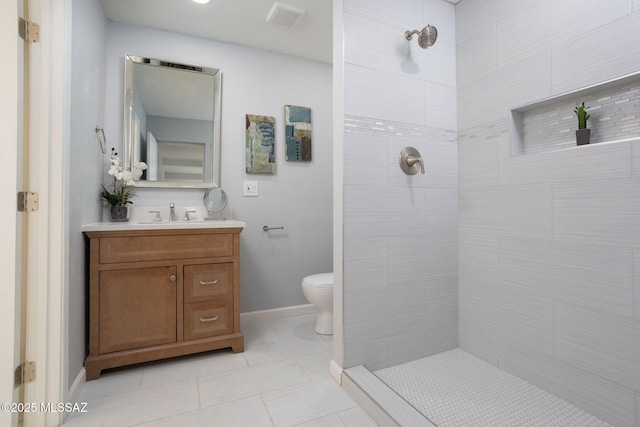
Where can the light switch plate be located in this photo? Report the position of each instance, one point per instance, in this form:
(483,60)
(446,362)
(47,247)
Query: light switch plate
(251,188)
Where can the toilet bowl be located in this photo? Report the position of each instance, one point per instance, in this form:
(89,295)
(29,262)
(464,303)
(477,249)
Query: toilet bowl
(318,289)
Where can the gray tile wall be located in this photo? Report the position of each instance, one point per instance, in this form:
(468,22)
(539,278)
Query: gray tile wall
(549,242)
(400,297)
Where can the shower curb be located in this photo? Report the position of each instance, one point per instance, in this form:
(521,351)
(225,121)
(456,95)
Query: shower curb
(379,401)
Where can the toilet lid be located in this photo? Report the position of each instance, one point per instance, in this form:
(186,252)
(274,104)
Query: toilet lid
(323,280)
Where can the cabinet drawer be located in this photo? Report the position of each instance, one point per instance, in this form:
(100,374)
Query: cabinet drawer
(206,319)
(165,247)
(205,281)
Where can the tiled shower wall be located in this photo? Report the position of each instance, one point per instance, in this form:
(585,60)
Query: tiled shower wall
(549,257)
(400,232)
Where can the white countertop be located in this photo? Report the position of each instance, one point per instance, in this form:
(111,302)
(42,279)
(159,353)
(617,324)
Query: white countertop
(150,225)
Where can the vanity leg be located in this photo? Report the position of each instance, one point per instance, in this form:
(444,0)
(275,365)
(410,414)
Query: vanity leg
(91,373)
(238,346)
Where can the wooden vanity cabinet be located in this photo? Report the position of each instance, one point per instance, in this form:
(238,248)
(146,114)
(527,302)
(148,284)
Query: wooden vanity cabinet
(155,294)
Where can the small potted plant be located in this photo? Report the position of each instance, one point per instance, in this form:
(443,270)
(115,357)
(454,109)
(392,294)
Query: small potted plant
(583,135)
(117,195)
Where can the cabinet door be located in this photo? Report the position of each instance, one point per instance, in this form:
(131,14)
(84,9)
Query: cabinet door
(137,308)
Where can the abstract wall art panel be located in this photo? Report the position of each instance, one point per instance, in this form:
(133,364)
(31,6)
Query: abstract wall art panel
(260,144)
(298,133)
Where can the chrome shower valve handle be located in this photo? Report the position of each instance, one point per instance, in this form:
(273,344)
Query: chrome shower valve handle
(409,159)
(412,160)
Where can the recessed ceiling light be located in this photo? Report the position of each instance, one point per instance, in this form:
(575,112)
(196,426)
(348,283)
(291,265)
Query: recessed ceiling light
(201,1)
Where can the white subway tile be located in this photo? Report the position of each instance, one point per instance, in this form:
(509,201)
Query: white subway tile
(603,211)
(525,211)
(478,263)
(371,93)
(477,20)
(610,51)
(598,396)
(362,320)
(635,158)
(476,57)
(515,211)
(595,276)
(597,161)
(491,97)
(442,210)
(601,343)
(477,162)
(636,283)
(367,157)
(441,106)
(533,28)
(476,332)
(388,11)
(385,211)
(366,262)
(365,42)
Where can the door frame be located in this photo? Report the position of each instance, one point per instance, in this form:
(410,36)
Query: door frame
(48,241)
(9,354)
(50,133)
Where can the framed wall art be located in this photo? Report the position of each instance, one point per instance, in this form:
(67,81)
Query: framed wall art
(260,144)
(297,133)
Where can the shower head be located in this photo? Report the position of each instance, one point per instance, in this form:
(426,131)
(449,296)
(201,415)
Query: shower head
(426,38)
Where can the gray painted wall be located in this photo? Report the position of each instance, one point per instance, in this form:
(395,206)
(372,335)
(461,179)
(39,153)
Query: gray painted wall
(549,242)
(85,160)
(298,196)
(400,231)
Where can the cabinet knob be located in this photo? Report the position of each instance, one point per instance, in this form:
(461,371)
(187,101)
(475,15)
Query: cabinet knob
(172,277)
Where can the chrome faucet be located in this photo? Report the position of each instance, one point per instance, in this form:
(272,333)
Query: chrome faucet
(172,211)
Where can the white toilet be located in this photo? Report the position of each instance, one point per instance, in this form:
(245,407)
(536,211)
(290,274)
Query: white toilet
(318,289)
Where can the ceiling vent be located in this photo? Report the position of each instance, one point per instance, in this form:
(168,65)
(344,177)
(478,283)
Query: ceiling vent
(285,15)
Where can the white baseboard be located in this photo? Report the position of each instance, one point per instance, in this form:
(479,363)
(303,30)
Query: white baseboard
(276,313)
(336,371)
(74,391)
(77,386)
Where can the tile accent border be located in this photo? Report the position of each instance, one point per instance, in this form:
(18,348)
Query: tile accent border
(381,127)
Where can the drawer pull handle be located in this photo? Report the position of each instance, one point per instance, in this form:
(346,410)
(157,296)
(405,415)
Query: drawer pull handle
(212,282)
(172,277)
(208,319)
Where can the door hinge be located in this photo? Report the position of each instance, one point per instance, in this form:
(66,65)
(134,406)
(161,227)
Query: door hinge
(25,373)
(29,31)
(27,201)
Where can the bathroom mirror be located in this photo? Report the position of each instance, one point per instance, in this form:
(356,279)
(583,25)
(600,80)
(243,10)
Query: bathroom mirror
(172,122)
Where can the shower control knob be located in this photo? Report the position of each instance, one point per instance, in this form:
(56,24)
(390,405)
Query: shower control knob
(409,160)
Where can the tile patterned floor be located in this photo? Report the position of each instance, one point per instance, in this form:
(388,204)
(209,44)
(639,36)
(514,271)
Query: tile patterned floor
(282,379)
(457,389)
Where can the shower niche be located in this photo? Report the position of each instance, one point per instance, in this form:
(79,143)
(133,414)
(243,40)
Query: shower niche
(549,125)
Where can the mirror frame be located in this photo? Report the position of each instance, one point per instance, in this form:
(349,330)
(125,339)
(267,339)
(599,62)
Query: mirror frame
(128,121)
